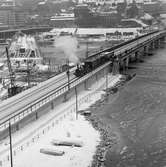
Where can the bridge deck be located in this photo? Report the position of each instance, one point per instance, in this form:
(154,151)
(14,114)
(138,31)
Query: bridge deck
(31,100)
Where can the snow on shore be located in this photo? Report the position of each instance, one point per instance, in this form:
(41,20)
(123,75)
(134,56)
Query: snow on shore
(74,156)
(69,128)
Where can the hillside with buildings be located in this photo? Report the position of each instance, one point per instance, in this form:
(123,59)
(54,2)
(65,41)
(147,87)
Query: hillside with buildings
(80,13)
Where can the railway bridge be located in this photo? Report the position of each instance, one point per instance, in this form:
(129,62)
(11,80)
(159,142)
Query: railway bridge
(33,103)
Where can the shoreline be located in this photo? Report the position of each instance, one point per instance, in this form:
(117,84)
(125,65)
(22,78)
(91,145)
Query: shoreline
(108,136)
(134,121)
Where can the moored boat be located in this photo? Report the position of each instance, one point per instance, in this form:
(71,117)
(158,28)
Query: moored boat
(54,152)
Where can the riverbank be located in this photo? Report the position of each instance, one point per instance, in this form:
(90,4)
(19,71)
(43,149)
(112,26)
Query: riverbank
(108,137)
(132,121)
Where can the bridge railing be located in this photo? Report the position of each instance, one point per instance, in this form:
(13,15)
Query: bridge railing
(124,43)
(29,109)
(33,107)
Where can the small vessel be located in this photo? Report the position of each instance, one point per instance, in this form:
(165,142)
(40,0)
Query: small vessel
(54,152)
(67,142)
(46,38)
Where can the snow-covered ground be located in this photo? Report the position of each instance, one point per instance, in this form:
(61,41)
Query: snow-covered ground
(70,128)
(61,123)
(92,31)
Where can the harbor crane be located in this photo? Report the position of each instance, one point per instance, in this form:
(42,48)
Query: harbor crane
(13,89)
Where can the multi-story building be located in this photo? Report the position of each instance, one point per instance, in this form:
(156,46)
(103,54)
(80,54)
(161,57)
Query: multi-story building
(7,16)
(101,2)
(12,16)
(84,17)
(152,8)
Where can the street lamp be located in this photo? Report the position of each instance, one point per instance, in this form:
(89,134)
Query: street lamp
(10,138)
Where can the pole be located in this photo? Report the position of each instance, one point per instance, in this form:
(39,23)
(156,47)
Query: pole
(11,152)
(87,48)
(76,102)
(106,80)
(68,74)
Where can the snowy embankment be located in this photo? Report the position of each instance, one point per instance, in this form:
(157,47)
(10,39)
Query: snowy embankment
(59,125)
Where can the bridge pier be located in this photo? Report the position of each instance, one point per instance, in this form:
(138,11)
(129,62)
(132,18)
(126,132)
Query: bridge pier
(127,62)
(132,58)
(159,43)
(115,67)
(156,44)
(123,65)
(150,49)
(152,45)
(137,56)
(145,51)
(162,42)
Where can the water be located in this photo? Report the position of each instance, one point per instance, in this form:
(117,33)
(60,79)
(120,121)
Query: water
(85,48)
(138,117)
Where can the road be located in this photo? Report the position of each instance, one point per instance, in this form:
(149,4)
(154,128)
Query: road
(137,117)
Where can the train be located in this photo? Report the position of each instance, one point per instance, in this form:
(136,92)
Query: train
(94,61)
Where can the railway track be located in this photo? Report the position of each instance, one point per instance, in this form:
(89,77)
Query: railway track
(14,105)
(29,96)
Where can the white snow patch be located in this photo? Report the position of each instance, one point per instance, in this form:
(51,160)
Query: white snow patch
(73,157)
(68,128)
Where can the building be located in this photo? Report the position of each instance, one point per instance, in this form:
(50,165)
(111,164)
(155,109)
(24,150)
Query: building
(115,2)
(163,8)
(152,8)
(62,20)
(84,17)
(7,16)
(20,16)
(12,16)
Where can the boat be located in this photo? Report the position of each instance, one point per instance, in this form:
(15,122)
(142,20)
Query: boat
(54,152)
(46,38)
(67,142)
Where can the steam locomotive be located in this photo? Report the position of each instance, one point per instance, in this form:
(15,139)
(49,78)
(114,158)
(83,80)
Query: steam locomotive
(92,63)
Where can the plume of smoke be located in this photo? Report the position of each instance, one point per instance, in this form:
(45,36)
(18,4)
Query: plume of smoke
(69,46)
